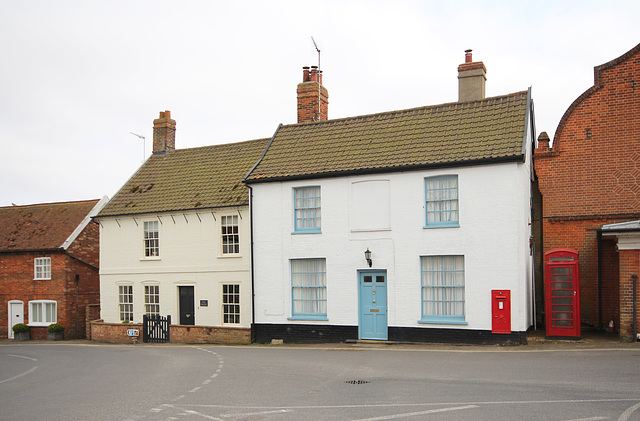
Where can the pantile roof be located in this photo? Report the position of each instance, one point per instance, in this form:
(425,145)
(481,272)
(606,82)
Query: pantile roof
(189,179)
(41,227)
(460,133)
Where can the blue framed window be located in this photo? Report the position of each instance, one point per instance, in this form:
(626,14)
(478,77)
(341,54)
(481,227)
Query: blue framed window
(309,289)
(307,209)
(441,201)
(443,298)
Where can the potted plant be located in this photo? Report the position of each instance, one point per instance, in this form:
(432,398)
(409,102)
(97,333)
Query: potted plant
(20,332)
(55,332)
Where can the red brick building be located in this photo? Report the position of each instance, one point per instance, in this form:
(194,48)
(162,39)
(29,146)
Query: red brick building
(49,262)
(589,179)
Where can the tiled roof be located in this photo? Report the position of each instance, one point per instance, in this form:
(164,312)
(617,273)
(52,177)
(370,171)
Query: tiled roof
(40,227)
(491,129)
(188,179)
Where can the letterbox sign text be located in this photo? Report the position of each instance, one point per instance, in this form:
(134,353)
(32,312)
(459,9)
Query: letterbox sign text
(204,303)
(133,332)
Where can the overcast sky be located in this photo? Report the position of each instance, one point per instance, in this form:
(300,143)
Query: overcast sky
(76,77)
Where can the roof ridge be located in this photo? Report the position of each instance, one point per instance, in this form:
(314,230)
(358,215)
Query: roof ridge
(32,205)
(220,145)
(406,110)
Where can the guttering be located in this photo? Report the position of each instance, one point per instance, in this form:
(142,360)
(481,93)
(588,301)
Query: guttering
(165,211)
(366,171)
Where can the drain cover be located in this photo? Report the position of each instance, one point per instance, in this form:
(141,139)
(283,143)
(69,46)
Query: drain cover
(357,381)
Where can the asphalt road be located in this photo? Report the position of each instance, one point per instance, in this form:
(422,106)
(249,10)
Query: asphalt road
(82,381)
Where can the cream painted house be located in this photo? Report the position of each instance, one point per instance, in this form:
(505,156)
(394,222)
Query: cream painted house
(175,240)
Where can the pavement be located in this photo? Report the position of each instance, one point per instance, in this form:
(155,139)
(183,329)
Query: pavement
(536,341)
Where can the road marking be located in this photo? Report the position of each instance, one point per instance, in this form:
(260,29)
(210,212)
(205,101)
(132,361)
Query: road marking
(19,375)
(626,414)
(590,419)
(413,414)
(195,389)
(190,412)
(250,414)
(20,356)
(399,405)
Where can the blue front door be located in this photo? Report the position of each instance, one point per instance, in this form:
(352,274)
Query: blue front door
(373,305)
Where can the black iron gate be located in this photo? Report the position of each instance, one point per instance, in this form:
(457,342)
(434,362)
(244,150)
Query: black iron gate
(155,328)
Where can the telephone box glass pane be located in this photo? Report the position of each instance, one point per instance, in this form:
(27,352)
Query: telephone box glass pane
(562,297)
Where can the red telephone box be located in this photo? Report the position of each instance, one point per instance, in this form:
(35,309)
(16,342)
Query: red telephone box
(562,293)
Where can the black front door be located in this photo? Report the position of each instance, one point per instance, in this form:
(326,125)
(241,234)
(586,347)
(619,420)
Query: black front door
(187,315)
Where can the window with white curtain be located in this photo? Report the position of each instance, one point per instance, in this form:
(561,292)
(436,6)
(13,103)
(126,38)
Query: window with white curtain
(42,312)
(441,201)
(309,288)
(443,289)
(307,209)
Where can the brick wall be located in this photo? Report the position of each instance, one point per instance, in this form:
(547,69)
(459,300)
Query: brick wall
(71,296)
(629,264)
(590,176)
(117,333)
(92,313)
(308,96)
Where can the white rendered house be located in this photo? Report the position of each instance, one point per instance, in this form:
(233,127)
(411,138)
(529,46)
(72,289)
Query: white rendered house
(410,225)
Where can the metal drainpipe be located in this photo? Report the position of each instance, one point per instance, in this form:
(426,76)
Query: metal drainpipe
(253,294)
(635,303)
(600,325)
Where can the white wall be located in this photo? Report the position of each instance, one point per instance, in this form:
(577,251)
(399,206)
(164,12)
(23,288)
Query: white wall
(190,254)
(493,236)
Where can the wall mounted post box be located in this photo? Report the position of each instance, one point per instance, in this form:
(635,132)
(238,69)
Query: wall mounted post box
(500,311)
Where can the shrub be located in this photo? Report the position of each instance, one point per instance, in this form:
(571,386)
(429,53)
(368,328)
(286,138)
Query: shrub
(20,327)
(55,327)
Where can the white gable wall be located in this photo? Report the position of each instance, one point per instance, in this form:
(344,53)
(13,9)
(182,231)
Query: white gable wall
(190,254)
(493,236)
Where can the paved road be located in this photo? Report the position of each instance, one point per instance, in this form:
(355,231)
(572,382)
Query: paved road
(41,381)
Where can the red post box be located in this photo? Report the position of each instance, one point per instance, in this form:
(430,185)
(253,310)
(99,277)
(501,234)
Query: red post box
(562,293)
(500,311)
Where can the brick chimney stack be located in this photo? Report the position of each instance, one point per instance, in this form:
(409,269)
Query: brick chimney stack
(472,76)
(164,133)
(310,94)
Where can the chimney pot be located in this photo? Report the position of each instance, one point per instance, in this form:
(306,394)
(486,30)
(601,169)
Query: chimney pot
(313,98)
(472,76)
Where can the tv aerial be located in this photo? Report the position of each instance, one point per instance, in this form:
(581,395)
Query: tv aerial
(318,50)
(144,152)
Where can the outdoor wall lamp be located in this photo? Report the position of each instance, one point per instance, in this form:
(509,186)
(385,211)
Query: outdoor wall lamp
(367,256)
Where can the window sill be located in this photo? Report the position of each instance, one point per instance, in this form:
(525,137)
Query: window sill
(40,324)
(229,256)
(41,279)
(306,232)
(150,259)
(317,318)
(443,321)
(456,225)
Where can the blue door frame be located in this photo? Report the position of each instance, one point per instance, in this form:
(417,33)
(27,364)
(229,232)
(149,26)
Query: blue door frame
(372,293)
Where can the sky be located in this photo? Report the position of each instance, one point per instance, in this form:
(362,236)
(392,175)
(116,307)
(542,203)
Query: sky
(77,78)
